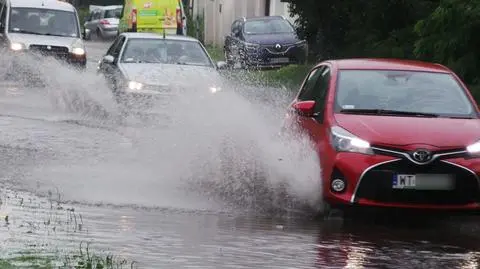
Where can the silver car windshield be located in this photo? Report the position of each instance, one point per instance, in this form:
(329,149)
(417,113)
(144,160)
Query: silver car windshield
(404,91)
(164,51)
(43,22)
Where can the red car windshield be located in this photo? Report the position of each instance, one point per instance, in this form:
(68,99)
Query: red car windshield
(403,91)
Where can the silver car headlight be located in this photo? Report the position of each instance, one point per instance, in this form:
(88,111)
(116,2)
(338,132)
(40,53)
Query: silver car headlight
(78,48)
(78,51)
(344,141)
(133,85)
(17,46)
(215,89)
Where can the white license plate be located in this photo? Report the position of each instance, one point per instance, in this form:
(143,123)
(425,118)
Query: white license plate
(279,60)
(423,182)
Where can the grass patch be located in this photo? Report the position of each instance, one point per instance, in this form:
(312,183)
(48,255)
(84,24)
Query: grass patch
(82,13)
(5,265)
(215,52)
(288,77)
(28,261)
(81,260)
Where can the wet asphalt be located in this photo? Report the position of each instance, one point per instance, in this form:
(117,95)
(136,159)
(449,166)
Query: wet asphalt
(70,178)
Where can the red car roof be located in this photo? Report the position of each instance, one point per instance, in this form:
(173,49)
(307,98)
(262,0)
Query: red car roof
(389,64)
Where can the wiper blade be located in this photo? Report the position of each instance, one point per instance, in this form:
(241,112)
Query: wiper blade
(460,117)
(389,112)
(36,33)
(27,32)
(50,34)
(191,64)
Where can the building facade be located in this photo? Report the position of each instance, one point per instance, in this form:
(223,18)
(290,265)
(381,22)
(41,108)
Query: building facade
(218,15)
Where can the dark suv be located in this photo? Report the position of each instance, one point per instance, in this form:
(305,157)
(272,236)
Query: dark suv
(264,42)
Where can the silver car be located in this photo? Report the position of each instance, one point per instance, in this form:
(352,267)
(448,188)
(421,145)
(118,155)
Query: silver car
(42,28)
(141,66)
(102,21)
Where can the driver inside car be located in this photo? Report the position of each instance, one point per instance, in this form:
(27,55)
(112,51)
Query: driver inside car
(134,54)
(351,95)
(33,21)
(175,53)
(154,55)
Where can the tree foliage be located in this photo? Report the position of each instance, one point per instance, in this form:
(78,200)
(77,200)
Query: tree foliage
(443,31)
(449,35)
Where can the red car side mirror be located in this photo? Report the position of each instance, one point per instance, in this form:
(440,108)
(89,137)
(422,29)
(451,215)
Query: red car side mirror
(304,108)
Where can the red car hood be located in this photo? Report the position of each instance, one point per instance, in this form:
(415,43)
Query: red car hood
(388,130)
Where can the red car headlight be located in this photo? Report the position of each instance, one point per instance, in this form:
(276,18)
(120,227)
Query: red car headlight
(344,141)
(474,148)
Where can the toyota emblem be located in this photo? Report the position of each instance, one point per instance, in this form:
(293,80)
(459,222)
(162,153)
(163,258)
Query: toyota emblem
(422,155)
(49,47)
(278,46)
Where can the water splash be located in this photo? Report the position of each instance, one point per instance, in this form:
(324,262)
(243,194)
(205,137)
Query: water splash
(222,145)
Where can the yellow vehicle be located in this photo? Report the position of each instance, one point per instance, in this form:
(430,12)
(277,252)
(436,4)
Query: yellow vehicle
(153,16)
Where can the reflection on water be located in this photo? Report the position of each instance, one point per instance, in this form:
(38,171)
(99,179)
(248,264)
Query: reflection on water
(440,245)
(113,171)
(176,239)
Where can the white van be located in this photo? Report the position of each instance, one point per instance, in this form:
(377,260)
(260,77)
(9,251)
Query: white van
(47,27)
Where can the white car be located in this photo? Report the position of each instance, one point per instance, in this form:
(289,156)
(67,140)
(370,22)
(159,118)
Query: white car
(44,28)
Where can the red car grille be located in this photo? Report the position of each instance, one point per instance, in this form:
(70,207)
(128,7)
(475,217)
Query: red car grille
(376,185)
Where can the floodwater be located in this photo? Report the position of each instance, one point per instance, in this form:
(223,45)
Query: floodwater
(154,189)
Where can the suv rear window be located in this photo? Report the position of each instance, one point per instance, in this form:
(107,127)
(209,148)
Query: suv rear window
(113,13)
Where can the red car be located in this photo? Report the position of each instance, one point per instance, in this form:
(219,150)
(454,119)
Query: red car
(391,134)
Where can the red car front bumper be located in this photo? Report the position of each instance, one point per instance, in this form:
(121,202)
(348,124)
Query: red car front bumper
(369,183)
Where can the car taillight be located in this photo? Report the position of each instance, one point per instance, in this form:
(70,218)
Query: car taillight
(134,20)
(104,22)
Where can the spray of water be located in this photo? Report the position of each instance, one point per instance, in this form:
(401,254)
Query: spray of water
(221,145)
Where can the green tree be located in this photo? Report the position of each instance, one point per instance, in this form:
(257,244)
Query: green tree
(375,28)
(449,35)
(322,23)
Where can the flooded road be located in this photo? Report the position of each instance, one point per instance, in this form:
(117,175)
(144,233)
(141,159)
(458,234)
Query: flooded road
(148,189)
